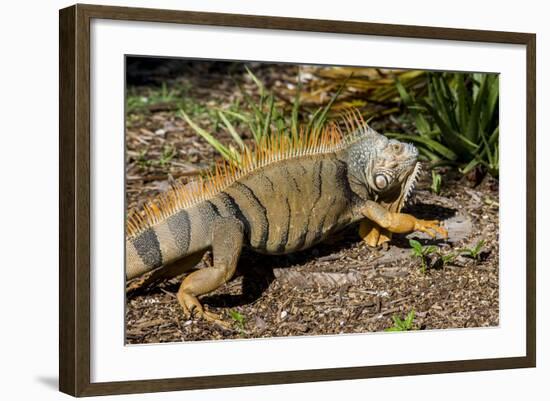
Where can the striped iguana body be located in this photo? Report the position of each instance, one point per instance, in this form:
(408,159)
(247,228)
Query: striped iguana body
(288,194)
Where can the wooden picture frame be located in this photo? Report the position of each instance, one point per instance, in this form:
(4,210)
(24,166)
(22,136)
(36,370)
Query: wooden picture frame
(74,204)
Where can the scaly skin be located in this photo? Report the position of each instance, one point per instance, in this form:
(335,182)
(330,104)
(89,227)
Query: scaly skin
(282,207)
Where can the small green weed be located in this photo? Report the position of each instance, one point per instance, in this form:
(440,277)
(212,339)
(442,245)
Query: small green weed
(446,258)
(239,320)
(421,252)
(168,153)
(475,251)
(403,325)
(143,161)
(138,102)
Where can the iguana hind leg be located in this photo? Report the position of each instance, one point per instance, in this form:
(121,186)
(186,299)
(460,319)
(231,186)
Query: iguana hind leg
(401,223)
(227,242)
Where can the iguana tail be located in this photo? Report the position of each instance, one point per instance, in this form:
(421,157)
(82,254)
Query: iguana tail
(180,234)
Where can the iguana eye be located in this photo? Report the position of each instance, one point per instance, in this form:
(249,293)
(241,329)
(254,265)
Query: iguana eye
(381,181)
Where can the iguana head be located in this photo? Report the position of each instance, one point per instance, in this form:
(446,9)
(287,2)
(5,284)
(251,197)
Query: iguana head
(388,168)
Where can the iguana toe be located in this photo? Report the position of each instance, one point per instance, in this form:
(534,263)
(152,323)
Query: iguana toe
(432,228)
(216,319)
(192,307)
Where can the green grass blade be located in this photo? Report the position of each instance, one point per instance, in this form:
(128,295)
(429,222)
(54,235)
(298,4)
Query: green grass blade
(313,119)
(268,116)
(222,149)
(323,116)
(236,115)
(236,137)
(258,83)
(254,125)
(296,107)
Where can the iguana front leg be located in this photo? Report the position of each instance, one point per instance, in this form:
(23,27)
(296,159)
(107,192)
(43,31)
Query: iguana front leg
(372,233)
(401,223)
(227,242)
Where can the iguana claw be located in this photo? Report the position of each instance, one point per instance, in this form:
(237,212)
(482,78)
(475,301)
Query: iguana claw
(192,307)
(431,227)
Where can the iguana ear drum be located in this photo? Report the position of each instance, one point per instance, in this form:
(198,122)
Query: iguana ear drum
(381,181)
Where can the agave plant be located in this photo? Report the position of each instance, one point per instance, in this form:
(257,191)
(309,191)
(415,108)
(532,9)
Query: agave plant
(457,121)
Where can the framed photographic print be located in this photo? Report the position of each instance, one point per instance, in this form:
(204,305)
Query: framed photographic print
(279,200)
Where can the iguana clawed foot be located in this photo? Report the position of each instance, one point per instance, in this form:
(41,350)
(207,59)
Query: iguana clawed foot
(191,306)
(380,223)
(431,227)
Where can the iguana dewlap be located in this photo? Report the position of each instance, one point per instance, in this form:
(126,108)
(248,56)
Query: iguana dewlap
(289,194)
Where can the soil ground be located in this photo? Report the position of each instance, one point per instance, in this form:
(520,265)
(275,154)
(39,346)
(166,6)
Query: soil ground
(339,287)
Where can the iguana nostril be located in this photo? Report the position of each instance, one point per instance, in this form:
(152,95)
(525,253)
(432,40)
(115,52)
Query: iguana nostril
(396,148)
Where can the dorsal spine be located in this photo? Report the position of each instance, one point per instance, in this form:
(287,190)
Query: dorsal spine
(271,149)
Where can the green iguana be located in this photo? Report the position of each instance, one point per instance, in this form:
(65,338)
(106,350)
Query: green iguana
(287,194)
